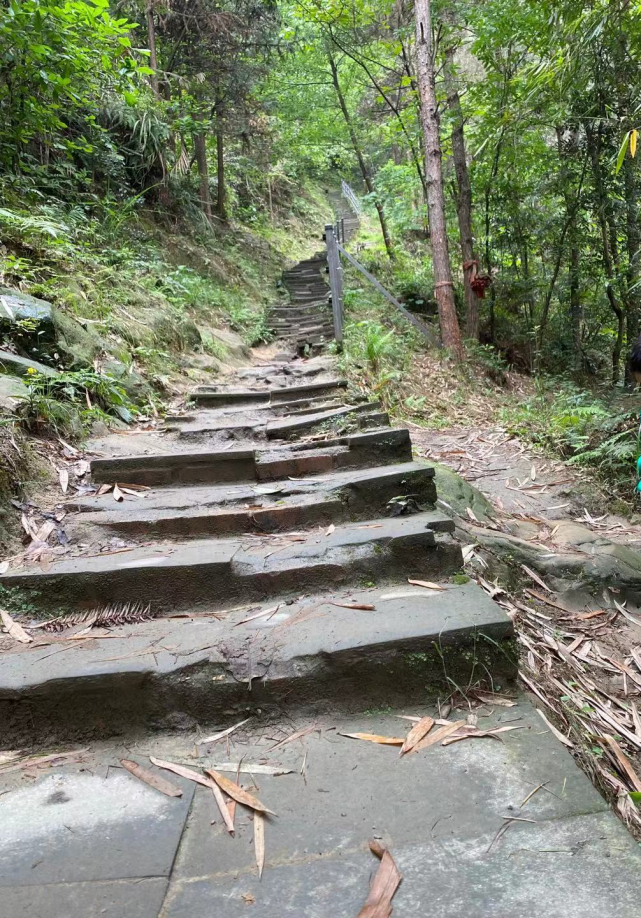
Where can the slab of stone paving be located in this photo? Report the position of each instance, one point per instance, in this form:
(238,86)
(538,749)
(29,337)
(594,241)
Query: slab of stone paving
(409,476)
(104,845)
(217,571)
(308,651)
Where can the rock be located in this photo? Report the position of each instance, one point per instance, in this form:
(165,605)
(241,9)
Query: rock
(458,495)
(132,382)
(19,366)
(77,345)
(233,344)
(180,334)
(11,388)
(26,320)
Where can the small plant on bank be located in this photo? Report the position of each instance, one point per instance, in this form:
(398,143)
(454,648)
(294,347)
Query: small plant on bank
(69,402)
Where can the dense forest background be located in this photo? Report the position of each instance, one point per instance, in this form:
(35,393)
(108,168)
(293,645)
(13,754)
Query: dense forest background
(161,161)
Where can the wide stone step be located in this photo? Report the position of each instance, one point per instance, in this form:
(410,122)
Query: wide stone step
(281,429)
(193,512)
(362,450)
(233,465)
(411,645)
(255,396)
(213,573)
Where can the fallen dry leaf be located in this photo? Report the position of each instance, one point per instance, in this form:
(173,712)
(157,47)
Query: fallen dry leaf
(237,793)
(223,733)
(155,781)
(199,779)
(427,584)
(362,606)
(375,738)
(535,577)
(248,899)
(259,841)
(383,886)
(563,739)
(623,761)
(117,493)
(63,476)
(330,529)
(500,700)
(416,734)
(293,736)
(35,761)
(15,629)
(433,738)
(249,768)
(225,810)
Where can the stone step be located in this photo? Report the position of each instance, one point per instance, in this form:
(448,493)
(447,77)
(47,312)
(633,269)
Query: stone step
(281,429)
(409,648)
(193,512)
(254,396)
(213,573)
(206,466)
(362,450)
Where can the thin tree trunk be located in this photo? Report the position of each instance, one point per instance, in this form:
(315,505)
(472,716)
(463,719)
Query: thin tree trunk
(151,39)
(463,197)
(362,165)
(200,147)
(608,242)
(443,286)
(633,243)
(221,194)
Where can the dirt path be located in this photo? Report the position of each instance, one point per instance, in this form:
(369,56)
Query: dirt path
(581,640)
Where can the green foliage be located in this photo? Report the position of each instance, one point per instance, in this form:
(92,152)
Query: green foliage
(56,61)
(69,402)
(582,428)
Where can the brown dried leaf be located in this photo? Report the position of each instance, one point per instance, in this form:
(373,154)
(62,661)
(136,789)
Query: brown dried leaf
(362,606)
(117,493)
(383,886)
(416,734)
(535,577)
(432,739)
(223,733)
(16,630)
(427,584)
(259,841)
(226,810)
(623,761)
(237,793)
(490,698)
(563,739)
(375,738)
(294,736)
(153,780)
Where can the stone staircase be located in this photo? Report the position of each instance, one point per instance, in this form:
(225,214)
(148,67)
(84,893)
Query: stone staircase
(281,491)
(301,577)
(305,321)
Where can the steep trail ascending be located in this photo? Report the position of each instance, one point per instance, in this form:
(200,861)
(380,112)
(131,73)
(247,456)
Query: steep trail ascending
(283,520)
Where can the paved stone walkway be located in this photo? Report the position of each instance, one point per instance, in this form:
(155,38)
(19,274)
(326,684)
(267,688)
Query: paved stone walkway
(283,521)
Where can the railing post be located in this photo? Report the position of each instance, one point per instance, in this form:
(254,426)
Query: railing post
(335,281)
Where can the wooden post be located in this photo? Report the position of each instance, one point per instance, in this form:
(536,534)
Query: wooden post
(335,281)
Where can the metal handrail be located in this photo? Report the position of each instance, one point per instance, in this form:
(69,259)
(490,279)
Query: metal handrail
(349,195)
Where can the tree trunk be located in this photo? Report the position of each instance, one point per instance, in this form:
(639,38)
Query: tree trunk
(443,286)
(151,39)
(633,243)
(362,165)
(605,221)
(463,197)
(200,147)
(221,194)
